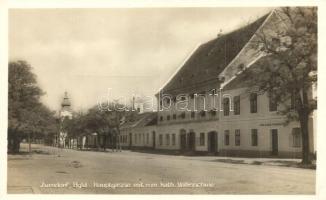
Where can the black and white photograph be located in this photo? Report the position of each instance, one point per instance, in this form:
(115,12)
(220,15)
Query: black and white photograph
(166,100)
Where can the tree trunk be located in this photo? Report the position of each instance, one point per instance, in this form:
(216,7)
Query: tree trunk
(305,140)
(98,141)
(104,142)
(13,141)
(304,119)
(29,143)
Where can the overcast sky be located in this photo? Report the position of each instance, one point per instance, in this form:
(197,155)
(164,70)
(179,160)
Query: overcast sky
(87,51)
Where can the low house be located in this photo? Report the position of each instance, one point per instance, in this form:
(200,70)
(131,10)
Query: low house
(139,131)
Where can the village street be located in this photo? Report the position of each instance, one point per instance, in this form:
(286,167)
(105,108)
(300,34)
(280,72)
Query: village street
(144,173)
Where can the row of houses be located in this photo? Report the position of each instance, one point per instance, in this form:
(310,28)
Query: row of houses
(244,124)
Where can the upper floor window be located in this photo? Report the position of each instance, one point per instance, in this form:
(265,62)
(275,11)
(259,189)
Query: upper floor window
(192,95)
(226,106)
(272,103)
(182,98)
(236,108)
(213,92)
(253,103)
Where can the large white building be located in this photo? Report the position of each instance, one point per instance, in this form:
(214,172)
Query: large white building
(206,81)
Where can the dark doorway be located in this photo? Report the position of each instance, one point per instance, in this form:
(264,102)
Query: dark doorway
(212,142)
(274,142)
(130,140)
(154,139)
(183,140)
(191,141)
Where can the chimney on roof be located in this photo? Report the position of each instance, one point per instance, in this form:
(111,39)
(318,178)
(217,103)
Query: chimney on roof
(220,33)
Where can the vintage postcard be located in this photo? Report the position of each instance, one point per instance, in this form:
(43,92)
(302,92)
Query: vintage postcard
(210,100)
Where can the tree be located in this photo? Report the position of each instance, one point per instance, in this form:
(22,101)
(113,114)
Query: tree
(75,126)
(288,69)
(27,116)
(38,123)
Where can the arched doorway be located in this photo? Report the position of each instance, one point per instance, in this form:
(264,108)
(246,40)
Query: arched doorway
(212,141)
(183,140)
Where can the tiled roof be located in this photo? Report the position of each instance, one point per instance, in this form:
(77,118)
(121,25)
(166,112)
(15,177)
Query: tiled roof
(210,59)
(140,120)
(243,80)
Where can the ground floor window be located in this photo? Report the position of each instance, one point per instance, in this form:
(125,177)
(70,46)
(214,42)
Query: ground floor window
(202,139)
(167,139)
(296,135)
(254,137)
(237,137)
(160,139)
(173,139)
(226,137)
(143,135)
(147,138)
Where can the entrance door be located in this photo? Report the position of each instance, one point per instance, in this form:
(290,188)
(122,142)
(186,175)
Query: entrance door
(191,141)
(183,140)
(154,139)
(212,142)
(274,142)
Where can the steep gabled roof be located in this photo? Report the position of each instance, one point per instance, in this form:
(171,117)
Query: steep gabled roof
(209,60)
(141,120)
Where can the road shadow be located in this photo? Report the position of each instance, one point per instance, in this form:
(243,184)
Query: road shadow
(35,151)
(232,161)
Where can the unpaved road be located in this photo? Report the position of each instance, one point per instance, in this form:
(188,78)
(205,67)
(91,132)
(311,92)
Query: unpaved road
(144,173)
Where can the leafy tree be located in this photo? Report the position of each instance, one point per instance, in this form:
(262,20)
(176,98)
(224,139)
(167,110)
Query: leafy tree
(288,70)
(27,116)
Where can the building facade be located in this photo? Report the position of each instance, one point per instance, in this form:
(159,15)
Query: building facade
(206,107)
(195,112)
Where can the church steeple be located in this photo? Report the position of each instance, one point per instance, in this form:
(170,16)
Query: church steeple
(65,101)
(66,107)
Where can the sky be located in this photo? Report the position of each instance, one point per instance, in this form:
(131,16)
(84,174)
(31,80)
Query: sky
(130,50)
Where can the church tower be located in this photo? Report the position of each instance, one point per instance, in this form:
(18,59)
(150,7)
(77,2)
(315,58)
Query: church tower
(65,112)
(66,107)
